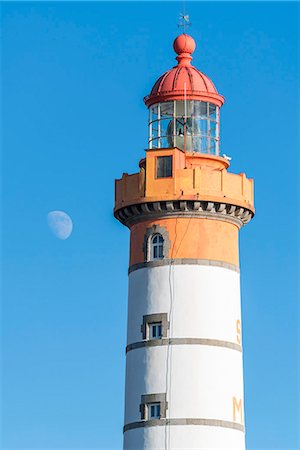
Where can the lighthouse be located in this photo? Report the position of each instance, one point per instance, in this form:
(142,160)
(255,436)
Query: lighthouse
(184,210)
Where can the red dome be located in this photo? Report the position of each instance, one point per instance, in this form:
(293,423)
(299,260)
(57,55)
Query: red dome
(184,77)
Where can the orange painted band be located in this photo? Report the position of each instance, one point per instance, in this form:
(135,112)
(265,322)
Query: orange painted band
(186,238)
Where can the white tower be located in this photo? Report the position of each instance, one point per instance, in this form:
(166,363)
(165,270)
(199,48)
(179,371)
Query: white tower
(184,370)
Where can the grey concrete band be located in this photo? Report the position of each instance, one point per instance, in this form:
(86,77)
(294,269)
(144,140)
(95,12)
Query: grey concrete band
(183,341)
(183,261)
(201,422)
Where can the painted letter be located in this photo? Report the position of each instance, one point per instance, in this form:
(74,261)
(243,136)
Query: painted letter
(237,408)
(238,330)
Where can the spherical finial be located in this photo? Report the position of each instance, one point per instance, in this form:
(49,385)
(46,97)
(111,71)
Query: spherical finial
(184,44)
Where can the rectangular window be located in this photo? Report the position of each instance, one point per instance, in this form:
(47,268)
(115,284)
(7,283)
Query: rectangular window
(164,166)
(155,330)
(153,406)
(154,411)
(155,326)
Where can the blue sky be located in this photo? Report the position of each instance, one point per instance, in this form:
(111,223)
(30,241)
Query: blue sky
(73,79)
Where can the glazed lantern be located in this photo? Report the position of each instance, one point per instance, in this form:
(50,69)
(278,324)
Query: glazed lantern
(184,106)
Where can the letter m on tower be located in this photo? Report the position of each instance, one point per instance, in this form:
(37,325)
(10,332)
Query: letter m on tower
(237,406)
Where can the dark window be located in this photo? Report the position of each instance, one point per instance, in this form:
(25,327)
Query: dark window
(153,406)
(154,411)
(155,330)
(163,166)
(155,326)
(157,247)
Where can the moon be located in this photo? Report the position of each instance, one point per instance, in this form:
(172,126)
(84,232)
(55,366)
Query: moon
(60,224)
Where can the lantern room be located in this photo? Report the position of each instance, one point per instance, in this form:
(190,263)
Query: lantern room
(184,106)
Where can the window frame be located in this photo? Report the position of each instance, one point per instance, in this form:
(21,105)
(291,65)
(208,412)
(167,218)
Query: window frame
(151,231)
(157,326)
(149,319)
(148,400)
(160,157)
(156,246)
(155,406)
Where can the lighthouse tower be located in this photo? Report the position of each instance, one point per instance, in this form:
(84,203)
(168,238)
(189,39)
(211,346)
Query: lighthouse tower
(184,209)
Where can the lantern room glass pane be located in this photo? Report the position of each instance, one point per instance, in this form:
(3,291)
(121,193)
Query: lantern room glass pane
(196,109)
(212,147)
(164,142)
(164,127)
(213,129)
(212,111)
(196,143)
(182,108)
(166,110)
(204,127)
(155,130)
(203,109)
(154,112)
(204,147)
(154,143)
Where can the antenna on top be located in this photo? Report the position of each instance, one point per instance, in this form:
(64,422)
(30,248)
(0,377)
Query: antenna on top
(184,21)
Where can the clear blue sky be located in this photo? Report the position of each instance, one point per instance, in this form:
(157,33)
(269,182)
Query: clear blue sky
(73,79)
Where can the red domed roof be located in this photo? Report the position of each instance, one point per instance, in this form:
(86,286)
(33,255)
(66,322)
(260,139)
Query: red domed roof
(184,77)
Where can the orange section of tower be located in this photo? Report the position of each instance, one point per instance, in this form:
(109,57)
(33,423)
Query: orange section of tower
(190,238)
(195,177)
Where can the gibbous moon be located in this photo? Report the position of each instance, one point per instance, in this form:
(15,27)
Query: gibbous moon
(60,224)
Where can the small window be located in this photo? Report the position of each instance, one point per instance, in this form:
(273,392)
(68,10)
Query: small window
(157,246)
(155,326)
(153,406)
(153,411)
(164,166)
(155,330)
